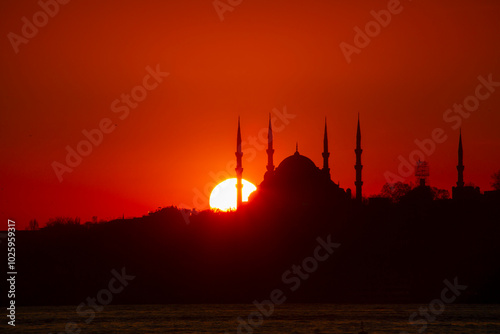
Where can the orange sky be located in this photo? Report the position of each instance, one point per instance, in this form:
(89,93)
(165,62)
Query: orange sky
(264,56)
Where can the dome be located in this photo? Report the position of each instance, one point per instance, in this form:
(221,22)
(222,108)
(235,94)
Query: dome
(297,181)
(297,166)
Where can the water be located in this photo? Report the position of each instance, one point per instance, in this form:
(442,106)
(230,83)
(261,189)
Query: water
(286,318)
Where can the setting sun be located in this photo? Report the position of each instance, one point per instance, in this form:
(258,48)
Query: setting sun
(223,197)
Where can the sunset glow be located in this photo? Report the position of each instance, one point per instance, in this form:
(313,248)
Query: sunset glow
(250,166)
(223,197)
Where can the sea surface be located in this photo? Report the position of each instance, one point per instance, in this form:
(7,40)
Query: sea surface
(286,318)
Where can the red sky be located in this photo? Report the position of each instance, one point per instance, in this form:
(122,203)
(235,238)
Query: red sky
(264,56)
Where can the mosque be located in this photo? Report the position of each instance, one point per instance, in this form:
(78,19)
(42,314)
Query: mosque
(297,181)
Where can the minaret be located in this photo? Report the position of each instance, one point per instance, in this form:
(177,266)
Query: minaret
(239,168)
(460,167)
(270,150)
(326,154)
(358,166)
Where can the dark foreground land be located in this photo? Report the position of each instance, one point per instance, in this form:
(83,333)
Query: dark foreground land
(377,253)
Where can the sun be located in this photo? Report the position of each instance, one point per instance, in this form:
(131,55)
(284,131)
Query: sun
(223,197)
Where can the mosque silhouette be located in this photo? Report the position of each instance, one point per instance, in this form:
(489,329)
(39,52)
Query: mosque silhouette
(298,182)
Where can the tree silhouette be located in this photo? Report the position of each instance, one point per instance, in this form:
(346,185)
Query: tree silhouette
(63,221)
(395,191)
(440,193)
(495,183)
(33,225)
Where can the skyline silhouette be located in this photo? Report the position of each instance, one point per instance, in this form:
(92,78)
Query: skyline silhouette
(460,191)
(298,181)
